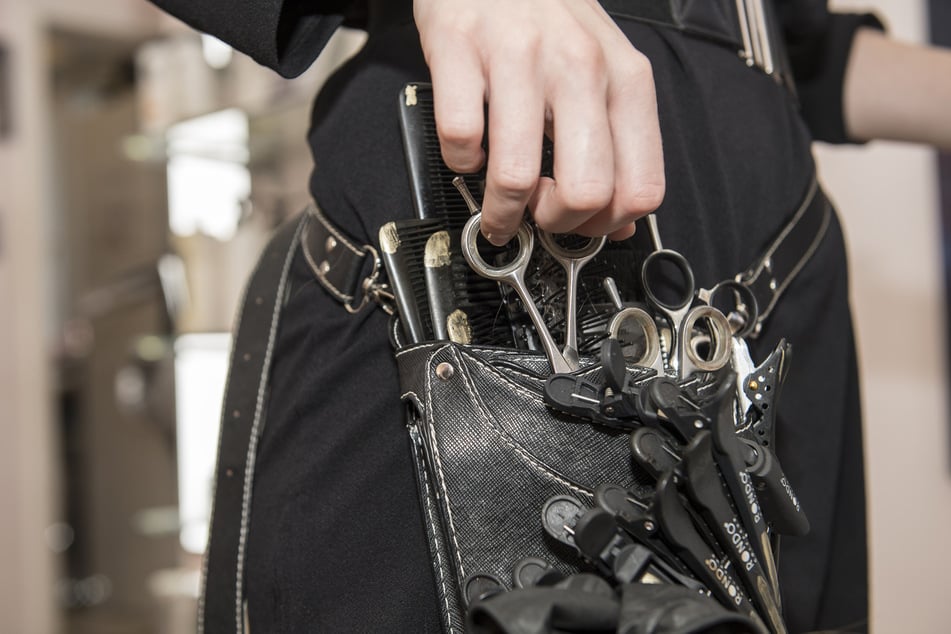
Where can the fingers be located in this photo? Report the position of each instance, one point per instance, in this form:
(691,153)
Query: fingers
(516,129)
(458,96)
(584,157)
(556,65)
(639,178)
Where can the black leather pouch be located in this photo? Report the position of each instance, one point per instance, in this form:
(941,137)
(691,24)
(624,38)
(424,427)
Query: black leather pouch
(489,454)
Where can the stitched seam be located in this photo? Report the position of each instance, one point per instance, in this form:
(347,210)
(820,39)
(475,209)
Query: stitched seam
(316,211)
(512,385)
(323,278)
(435,537)
(211,516)
(533,463)
(826,220)
(754,274)
(441,475)
(256,428)
(407,349)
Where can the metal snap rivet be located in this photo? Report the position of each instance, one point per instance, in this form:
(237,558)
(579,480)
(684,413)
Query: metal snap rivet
(324,267)
(331,244)
(445,371)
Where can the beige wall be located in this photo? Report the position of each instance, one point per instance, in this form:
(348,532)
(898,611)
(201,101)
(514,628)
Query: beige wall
(28,493)
(887,196)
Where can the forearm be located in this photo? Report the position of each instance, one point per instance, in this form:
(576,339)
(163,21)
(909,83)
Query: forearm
(898,91)
(285,35)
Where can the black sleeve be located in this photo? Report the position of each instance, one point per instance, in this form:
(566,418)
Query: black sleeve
(819,43)
(285,35)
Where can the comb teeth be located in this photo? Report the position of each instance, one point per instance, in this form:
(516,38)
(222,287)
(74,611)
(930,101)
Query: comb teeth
(434,195)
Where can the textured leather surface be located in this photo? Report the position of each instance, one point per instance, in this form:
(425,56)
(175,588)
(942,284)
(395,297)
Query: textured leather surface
(491,453)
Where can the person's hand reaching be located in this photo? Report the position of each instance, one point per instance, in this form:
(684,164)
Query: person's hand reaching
(556,67)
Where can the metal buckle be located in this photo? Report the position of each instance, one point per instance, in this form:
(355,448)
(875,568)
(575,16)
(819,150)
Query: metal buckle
(754,30)
(372,288)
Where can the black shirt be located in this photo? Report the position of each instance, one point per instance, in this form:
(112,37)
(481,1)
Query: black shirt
(333,490)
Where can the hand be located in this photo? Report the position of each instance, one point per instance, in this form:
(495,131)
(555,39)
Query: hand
(560,67)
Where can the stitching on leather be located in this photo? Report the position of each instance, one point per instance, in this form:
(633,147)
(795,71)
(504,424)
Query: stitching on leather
(323,278)
(256,427)
(435,537)
(514,386)
(441,475)
(420,346)
(315,210)
(204,560)
(533,463)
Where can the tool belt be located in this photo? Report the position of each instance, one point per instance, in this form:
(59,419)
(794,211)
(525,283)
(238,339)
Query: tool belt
(508,461)
(491,452)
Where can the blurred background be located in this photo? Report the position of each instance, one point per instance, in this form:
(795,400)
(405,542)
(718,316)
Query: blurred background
(142,167)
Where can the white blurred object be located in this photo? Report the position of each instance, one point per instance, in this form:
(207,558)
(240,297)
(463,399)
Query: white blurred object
(208,177)
(217,54)
(201,367)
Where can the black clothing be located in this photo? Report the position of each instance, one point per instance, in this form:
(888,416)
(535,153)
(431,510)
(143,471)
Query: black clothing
(336,541)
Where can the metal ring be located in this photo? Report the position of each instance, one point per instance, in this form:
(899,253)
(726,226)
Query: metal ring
(470,249)
(720,336)
(591,247)
(647,326)
(681,263)
(744,306)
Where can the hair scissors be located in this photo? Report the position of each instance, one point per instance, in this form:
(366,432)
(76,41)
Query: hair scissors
(700,334)
(572,259)
(513,273)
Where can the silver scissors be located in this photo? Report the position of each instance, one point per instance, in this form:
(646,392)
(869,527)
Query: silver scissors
(513,273)
(669,287)
(636,330)
(572,260)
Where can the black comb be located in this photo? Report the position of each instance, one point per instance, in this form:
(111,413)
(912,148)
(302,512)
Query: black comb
(434,195)
(402,248)
(476,306)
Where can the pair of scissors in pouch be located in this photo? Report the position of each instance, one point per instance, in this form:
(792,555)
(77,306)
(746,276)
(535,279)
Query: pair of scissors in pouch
(513,273)
(698,336)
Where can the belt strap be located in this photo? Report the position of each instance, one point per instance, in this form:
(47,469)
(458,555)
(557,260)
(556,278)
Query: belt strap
(785,256)
(340,263)
(221,604)
(767,278)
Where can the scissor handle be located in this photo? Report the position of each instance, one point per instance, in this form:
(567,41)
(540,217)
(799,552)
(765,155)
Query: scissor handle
(652,273)
(638,321)
(513,274)
(516,267)
(742,311)
(590,248)
(721,338)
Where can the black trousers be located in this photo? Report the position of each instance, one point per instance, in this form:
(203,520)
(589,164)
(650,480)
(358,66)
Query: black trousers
(336,541)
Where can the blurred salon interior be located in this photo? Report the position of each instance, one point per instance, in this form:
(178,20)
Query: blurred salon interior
(142,167)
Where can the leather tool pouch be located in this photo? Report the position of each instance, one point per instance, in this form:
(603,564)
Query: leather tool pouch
(488,455)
